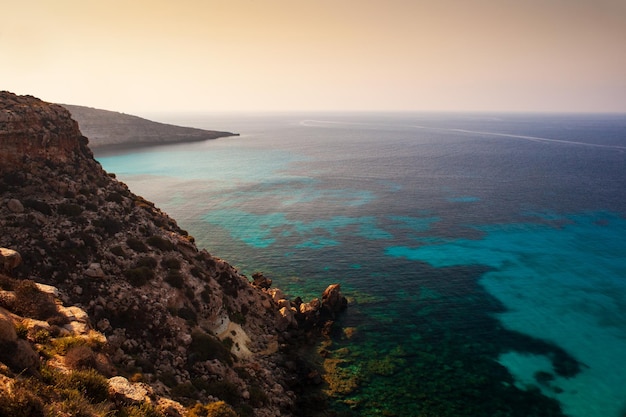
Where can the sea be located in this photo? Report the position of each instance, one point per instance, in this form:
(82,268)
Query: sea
(483,255)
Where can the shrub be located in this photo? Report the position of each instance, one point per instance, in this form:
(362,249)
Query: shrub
(6,282)
(143,410)
(21,330)
(205,347)
(63,345)
(41,336)
(160,243)
(109,225)
(175,279)
(147,261)
(170,263)
(238,317)
(75,404)
(20,402)
(118,251)
(139,276)
(40,206)
(206,294)
(187,314)
(216,409)
(94,386)
(186,390)
(258,397)
(69,209)
(136,245)
(80,357)
(31,302)
(115,197)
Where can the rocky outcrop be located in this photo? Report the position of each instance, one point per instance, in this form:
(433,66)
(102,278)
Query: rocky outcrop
(9,259)
(184,322)
(31,130)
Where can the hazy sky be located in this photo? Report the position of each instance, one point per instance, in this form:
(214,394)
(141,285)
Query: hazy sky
(222,55)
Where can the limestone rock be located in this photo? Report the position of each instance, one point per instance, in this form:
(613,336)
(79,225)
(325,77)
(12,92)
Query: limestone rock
(94,271)
(126,392)
(15,206)
(48,289)
(9,259)
(261,281)
(333,301)
(170,408)
(286,318)
(31,129)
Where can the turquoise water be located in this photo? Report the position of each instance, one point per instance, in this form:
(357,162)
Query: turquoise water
(483,255)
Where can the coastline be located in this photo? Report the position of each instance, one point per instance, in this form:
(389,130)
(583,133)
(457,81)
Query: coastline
(113,149)
(158,300)
(112,132)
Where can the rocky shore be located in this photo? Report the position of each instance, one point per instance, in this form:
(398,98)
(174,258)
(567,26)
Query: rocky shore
(173,329)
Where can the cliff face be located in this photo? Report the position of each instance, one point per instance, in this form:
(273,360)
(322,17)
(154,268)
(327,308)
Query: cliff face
(33,130)
(188,323)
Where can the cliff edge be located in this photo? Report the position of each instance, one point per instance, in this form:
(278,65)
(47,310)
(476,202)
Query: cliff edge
(182,322)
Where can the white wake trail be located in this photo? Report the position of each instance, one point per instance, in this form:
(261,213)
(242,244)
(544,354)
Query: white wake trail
(320,123)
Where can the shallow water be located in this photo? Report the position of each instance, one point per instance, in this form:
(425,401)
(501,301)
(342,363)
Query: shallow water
(482,255)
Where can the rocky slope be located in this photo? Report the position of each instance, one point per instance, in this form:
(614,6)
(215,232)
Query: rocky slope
(108,130)
(184,323)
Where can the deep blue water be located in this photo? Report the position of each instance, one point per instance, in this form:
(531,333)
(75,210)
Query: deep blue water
(483,255)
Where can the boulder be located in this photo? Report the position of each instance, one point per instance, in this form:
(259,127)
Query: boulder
(170,408)
(15,206)
(9,259)
(48,289)
(286,319)
(125,392)
(261,281)
(94,271)
(333,302)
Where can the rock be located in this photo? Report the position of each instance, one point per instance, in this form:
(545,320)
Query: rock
(7,328)
(15,206)
(9,259)
(25,357)
(74,313)
(276,294)
(77,328)
(333,302)
(310,308)
(104,325)
(94,271)
(48,289)
(35,130)
(261,281)
(170,408)
(286,319)
(125,392)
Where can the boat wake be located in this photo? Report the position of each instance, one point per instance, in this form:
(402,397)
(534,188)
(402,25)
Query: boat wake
(329,123)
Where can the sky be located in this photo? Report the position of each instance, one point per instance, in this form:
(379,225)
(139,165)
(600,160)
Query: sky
(142,56)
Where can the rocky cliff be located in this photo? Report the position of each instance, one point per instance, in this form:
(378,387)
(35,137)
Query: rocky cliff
(110,131)
(182,322)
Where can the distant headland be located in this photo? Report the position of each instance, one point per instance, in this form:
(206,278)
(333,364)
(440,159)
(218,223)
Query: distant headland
(110,131)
